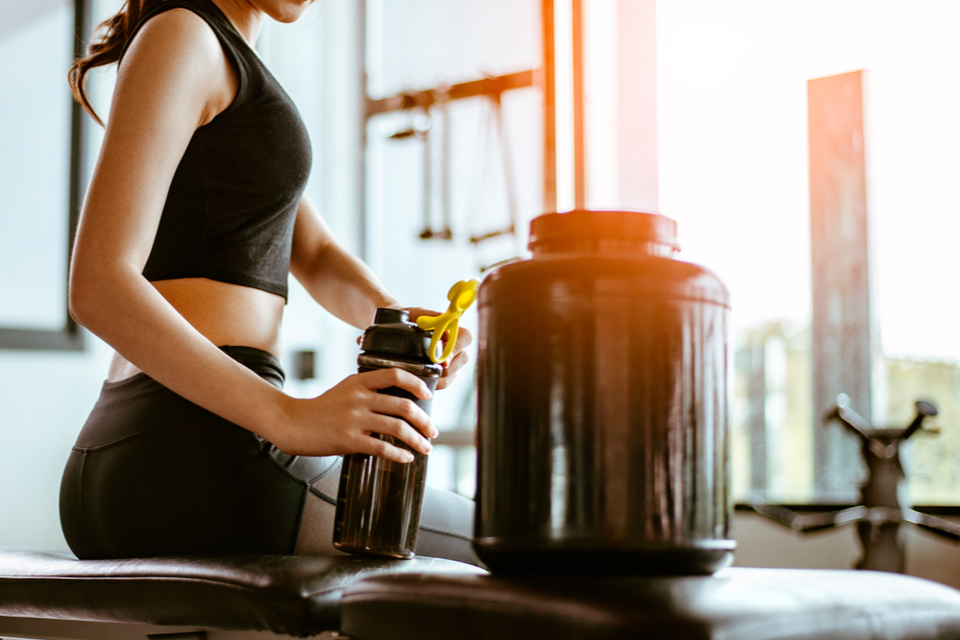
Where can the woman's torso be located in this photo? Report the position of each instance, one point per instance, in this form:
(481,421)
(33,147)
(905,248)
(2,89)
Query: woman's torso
(226,314)
(221,255)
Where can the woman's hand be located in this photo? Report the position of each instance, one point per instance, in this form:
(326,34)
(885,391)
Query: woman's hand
(459,357)
(346,418)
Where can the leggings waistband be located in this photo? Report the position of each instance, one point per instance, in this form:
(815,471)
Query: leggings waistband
(261,362)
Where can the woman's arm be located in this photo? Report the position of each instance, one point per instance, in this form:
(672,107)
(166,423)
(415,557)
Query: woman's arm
(175,78)
(341,283)
(345,286)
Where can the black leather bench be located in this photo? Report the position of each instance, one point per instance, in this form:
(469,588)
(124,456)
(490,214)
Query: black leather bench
(54,595)
(734,604)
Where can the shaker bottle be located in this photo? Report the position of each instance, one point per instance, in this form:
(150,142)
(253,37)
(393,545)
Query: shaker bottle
(379,501)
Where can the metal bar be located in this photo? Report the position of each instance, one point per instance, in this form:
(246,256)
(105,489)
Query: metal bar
(579,106)
(548,85)
(445,201)
(425,98)
(79,134)
(456,438)
(756,406)
(427,176)
(544,77)
(361,165)
(65,340)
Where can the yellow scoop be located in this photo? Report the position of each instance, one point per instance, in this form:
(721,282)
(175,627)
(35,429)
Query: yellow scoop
(461,296)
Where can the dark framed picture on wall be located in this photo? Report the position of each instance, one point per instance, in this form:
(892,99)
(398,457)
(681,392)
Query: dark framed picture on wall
(42,150)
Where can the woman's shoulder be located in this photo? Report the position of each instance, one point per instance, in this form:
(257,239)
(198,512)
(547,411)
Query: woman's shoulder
(175,33)
(177,55)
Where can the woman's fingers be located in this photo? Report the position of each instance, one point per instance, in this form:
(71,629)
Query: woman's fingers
(464,339)
(455,363)
(364,414)
(450,369)
(446,381)
(399,417)
(385,378)
(407,410)
(458,357)
(383,449)
(402,431)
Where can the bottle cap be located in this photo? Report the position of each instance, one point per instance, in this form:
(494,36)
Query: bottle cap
(392,334)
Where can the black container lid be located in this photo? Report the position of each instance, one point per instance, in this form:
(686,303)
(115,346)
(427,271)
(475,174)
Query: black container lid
(578,226)
(391,334)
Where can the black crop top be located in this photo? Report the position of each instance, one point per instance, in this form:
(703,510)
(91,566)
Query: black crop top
(233,200)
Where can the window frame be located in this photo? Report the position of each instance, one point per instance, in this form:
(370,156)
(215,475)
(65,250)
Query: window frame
(70,337)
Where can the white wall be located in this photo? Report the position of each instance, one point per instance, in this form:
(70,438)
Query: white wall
(45,397)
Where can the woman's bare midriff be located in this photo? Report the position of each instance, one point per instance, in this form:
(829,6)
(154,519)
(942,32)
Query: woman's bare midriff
(226,314)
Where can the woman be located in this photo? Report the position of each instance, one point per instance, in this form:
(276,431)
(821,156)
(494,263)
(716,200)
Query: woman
(193,218)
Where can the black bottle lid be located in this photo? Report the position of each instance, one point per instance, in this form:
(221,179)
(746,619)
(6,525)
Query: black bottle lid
(390,316)
(582,230)
(391,333)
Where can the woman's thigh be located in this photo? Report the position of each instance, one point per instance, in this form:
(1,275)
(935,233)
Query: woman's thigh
(154,474)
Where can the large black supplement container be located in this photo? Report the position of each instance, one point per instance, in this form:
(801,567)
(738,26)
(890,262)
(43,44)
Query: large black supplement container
(602,435)
(379,501)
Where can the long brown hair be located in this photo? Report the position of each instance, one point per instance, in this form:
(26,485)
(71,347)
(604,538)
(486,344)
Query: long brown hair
(114,34)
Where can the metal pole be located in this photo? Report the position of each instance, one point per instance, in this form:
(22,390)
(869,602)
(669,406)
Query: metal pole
(579,106)
(79,134)
(361,53)
(548,85)
(491,86)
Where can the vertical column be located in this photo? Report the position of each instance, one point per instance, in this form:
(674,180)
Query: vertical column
(842,358)
(579,108)
(548,85)
(637,104)
(755,354)
(79,140)
(340,160)
(360,135)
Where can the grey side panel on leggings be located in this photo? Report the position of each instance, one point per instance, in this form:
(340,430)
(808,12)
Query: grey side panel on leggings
(446,522)
(446,526)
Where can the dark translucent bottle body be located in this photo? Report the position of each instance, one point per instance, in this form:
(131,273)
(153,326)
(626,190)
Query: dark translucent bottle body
(379,501)
(602,429)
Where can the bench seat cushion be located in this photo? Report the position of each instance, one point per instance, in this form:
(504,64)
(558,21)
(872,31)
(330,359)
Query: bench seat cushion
(734,604)
(295,595)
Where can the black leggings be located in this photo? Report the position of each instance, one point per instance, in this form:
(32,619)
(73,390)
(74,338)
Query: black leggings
(154,474)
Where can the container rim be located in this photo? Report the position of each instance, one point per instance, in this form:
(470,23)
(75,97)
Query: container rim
(607,224)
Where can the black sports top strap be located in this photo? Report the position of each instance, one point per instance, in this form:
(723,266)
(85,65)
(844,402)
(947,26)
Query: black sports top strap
(233,200)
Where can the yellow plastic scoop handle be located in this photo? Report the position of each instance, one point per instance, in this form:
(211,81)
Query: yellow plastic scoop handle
(461,296)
